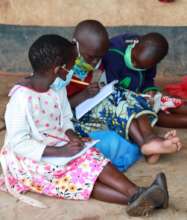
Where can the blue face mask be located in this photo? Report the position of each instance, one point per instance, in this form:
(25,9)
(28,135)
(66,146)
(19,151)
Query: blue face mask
(59,83)
(128,58)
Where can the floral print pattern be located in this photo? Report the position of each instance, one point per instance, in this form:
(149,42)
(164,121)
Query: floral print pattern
(44,118)
(72,181)
(116,112)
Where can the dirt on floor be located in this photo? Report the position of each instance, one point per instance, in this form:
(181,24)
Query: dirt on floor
(174,166)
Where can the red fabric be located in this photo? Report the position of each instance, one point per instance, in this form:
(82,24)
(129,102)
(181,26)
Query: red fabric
(168,102)
(74,88)
(178,89)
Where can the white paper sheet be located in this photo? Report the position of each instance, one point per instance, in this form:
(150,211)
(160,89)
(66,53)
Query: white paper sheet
(88,104)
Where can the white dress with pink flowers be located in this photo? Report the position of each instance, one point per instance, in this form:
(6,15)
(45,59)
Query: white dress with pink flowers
(35,120)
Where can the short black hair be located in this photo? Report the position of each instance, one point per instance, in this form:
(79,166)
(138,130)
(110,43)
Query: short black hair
(92,27)
(49,51)
(157,45)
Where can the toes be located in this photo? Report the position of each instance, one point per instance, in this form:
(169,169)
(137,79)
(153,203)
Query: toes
(175,144)
(174,132)
(167,135)
(170,134)
(179,146)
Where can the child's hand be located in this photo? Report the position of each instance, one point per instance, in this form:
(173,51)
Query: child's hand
(92,90)
(70,149)
(74,146)
(150,97)
(73,137)
(151,93)
(79,140)
(86,139)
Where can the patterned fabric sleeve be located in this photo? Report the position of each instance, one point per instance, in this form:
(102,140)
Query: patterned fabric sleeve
(18,130)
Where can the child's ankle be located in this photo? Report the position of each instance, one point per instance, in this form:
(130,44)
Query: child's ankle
(150,137)
(152,159)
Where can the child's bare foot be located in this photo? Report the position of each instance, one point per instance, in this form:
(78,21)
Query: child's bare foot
(170,135)
(170,144)
(152,159)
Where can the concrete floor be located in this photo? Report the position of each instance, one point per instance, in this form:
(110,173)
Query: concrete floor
(174,166)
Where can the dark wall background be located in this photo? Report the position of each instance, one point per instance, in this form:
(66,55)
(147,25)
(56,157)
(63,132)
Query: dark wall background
(15,41)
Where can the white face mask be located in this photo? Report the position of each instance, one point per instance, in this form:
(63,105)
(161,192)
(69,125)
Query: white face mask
(98,65)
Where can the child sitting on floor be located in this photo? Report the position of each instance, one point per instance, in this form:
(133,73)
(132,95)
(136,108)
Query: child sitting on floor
(132,59)
(124,111)
(39,128)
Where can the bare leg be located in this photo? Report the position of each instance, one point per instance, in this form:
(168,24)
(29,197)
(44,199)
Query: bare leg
(180,110)
(146,128)
(141,131)
(172,120)
(148,134)
(114,179)
(104,193)
(169,145)
(112,186)
(135,133)
(151,144)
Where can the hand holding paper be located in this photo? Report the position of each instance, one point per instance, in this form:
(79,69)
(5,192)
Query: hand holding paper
(90,103)
(65,160)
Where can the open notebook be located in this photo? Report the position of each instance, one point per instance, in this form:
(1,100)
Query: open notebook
(88,104)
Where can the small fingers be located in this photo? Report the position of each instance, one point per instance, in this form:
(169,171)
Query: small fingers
(76,143)
(86,139)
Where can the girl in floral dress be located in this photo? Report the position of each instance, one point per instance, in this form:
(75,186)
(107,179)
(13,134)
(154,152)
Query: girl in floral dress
(43,154)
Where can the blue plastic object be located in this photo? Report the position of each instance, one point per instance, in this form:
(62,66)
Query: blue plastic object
(122,153)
